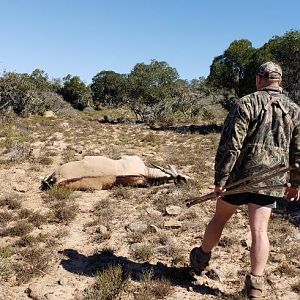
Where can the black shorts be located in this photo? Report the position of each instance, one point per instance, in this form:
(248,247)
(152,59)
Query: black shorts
(245,198)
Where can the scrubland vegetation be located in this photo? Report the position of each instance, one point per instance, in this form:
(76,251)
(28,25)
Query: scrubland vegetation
(122,243)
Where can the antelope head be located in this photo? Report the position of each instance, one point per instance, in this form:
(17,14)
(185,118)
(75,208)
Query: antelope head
(170,170)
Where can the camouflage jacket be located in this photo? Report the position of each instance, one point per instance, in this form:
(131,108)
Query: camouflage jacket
(261,131)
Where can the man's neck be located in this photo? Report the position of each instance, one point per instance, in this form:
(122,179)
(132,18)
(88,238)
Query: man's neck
(274,87)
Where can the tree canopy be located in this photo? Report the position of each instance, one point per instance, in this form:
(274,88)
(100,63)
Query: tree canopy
(76,92)
(234,71)
(109,88)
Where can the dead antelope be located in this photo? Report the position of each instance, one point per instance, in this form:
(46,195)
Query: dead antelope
(100,173)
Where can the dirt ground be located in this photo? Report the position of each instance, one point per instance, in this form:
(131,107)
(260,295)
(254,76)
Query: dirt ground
(71,240)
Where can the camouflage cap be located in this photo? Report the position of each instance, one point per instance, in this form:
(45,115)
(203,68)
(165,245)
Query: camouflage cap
(270,70)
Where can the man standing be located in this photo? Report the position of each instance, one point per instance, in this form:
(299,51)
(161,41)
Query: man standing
(261,131)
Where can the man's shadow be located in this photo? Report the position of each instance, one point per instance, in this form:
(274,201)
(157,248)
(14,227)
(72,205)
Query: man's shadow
(91,265)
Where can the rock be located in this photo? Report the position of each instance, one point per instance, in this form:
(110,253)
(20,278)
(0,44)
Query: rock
(78,149)
(216,274)
(102,229)
(245,244)
(280,257)
(37,152)
(136,246)
(153,228)
(295,236)
(35,291)
(97,151)
(51,296)
(137,227)
(161,249)
(49,114)
(63,281)
(290,296)
(20,187)
(153,212)
(173,210)
(172,224)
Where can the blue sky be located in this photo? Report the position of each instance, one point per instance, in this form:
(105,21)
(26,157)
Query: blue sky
(84,37)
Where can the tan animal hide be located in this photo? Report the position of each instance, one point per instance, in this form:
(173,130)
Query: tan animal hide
(99,172)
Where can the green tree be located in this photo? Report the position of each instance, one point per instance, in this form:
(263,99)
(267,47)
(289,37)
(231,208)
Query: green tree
(233,72)
(76,92)
(230,71)
(286,51)
(27,94)
(109,88)
(152,88)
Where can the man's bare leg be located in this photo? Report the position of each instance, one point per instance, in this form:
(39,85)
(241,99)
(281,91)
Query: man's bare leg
(215,227)
(259,218)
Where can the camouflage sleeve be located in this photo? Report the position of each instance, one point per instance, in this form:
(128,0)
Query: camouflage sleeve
(232,137)
(295,156)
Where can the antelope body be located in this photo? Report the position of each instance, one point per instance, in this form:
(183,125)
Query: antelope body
(99,173)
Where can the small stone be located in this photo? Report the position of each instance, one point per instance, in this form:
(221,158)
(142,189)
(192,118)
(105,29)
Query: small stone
(173,210)
(153,212)
(172,224)
(102,229)
(20,187)
(78,149)
(63,281)
(160,265)
(136,246)
(244,243)
(280,257)
(295,236)
(161,249)
(190,289)
(35,291)
(49,114)
(153,228)
(216,274)
(97,151)
(290,296)
(51,296)
(138,227)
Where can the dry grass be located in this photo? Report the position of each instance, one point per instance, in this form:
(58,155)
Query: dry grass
(64,213)
(104,212)
(100,237)
(108,285)
(192,154)
(37,219)
(135,237)
(161,288)
(5,217)
(152,289)
(21,228)
(60,193)
(296,287)
(143,252)
(286,268)
(34,261)
(45,160)
(11,201)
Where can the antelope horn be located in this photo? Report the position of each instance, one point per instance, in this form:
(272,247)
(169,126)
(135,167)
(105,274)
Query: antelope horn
(170,171)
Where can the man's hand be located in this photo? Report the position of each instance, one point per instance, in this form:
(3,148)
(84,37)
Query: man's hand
(292,194)
(219,190)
